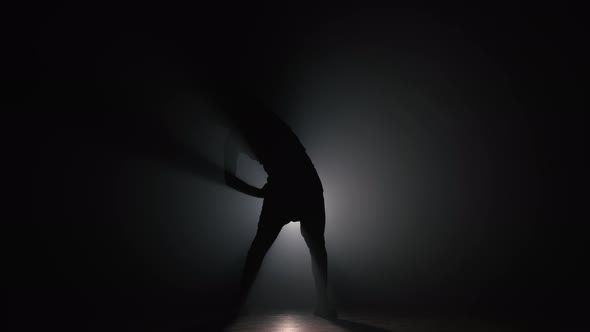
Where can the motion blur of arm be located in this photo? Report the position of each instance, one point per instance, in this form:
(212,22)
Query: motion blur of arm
(231,163)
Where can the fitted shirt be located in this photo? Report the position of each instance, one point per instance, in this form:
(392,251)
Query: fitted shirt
(271,142)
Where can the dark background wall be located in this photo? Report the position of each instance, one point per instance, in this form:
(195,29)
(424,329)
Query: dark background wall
(448,140)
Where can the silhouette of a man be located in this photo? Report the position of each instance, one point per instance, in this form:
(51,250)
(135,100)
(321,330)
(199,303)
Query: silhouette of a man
(293,191)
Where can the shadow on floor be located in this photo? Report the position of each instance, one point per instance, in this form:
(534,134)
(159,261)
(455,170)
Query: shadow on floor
(356,327)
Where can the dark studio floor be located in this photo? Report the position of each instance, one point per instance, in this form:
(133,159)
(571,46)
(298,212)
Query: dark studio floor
(300,321)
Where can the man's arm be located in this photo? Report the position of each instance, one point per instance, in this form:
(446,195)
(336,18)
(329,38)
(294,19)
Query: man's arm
(231,162)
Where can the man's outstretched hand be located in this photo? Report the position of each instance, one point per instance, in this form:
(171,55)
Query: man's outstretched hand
(260,193)
(243,187)
(263,191)
(256,192)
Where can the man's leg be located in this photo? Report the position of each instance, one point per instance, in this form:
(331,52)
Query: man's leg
(312,229)
(265,236)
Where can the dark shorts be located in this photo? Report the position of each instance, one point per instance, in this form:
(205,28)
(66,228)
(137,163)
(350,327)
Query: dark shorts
(283,206)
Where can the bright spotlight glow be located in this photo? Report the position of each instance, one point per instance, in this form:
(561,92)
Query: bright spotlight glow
(287,323)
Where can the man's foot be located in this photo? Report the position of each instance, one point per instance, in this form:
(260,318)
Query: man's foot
(236,308)
(326,312)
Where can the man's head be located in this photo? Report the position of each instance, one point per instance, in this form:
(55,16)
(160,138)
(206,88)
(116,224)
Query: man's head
(233,105)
